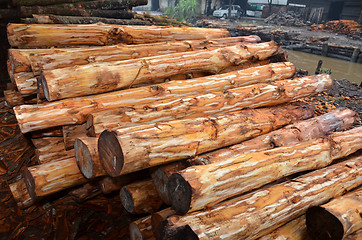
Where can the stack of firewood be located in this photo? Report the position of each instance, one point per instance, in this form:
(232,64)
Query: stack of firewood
(338,26)
(205,123)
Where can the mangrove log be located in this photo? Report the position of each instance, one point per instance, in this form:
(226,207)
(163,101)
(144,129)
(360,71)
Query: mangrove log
(52,177)
(203,186)
(131,149)
(86,153)
(48,35)
(141,229)
(336,120)
(274,205)
(140,197)
(336,219)
(13,98)
(49,148)
(76,110)
(85,192)
(103,77)
(26,82)
(71,133)
(21,194)
(191,106)
(157,221)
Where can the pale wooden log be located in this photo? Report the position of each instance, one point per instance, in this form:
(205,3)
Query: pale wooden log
(130,149)
(141,229)
(274,206)
(76,110)
(104,77)
(13,98)
(293,230)
(86,153)
(71,133)
(161,175)
(140,197)
(51,132)
(26,83)
(52,177)
(85,192)
(176,108)
(204,186)
(157,221)
(21,194)
(83,56)
(84,4)
(336,219)
(50,148)
(336,120)
(47,35)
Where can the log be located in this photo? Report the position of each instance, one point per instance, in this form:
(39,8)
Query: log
(51,132)
(293,230)
(355,236)
(104,77)
(82,56)
(85,192)
(336,120)
(108,4)
(140,197)
(86,153)
(336,219)
(43,2)
(52,177)
(37,35)
(128,150)
(160,178)
(50,148)
(176,108)
(141,229)
(157,220)
(204,186)
(13,98)
(274,205)
(26,82)
(31,118)
(21,194)
(71,132)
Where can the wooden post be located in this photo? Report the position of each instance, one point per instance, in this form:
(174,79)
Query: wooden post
(324,49)
(128,150)
(141,229)
(235,218)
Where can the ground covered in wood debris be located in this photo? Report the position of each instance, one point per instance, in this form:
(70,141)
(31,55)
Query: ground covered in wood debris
(103,217)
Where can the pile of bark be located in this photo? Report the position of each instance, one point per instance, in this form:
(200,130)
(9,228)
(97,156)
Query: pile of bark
(338,26)
(207,124)
(289,18)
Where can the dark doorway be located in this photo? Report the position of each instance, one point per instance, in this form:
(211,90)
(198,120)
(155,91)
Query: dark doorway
(155,5)
(335,10)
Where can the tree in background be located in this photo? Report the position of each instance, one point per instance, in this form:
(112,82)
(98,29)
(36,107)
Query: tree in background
(184,10)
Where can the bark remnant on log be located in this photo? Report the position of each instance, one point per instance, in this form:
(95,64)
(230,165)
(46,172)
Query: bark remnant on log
(141,229)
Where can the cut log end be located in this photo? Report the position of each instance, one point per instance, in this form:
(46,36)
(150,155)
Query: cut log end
(110,153)
(84,159)
(44,87)
(178,233)
(323,225)
(180,193)
(30,183)
(135,232)
(127,200)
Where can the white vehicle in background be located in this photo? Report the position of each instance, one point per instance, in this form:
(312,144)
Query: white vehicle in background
(223,12)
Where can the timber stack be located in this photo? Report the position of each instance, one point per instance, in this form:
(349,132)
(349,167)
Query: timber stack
(338,26)
(197,131)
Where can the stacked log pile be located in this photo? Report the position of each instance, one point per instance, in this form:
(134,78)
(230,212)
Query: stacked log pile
(208,124)
(338,26)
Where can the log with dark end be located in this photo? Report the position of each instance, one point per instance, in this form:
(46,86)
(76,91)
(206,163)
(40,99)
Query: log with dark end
(85,192)
(109,147)
(157,221)
(141,229)
(21,194)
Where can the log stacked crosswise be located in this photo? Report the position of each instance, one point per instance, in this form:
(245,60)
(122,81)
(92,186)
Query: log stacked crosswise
(183,117)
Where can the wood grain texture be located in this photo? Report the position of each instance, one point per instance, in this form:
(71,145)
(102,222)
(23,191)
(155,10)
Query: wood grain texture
(71,133)
(21,194)
(141,229)
(157,220)
(50,149)
(131,149)
(274,205)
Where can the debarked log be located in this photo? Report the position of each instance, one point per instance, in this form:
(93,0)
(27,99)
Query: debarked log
(131,149)
(104,77)
(336,120)
(85,192)
(140,197)
(191,106)
(141,229)
(50,148)
(71,132)
(26,82)
(48,35)
(336,219)
(203,186)
(157,220)
(86,4)
(21,194)
(52,177)
(76,110)
(235,218)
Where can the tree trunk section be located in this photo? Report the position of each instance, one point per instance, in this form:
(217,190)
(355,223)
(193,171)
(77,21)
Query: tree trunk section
(104,77)
(51,132)
(188,107)
(336,219)
(31,118)
(141,229)
(355,236)
(44,36)
(235,218)
(13,98)
(86,153)
(52,177)
(51,148)
(204,186)
(85,192)
(26,82)
(131,149)
(21,194)
(49,2)
(71,133)
(157,221)
(140,197)
(103,4)
(336,120)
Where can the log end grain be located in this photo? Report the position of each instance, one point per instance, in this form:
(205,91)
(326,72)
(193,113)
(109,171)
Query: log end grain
(177,233)
(127,200)
(30,183)
(180,192)
(323,225)
(84,159)
(110,153)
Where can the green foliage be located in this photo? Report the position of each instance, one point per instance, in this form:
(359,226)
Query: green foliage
(325,70)
(184,10)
